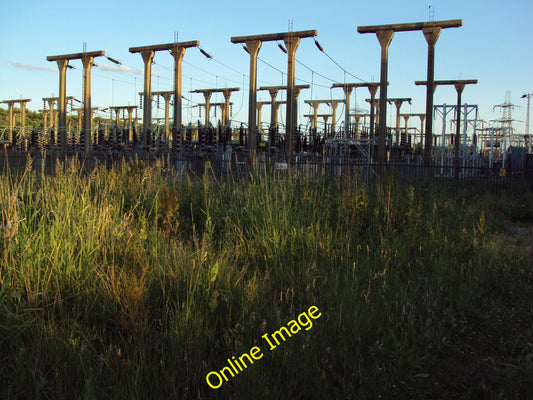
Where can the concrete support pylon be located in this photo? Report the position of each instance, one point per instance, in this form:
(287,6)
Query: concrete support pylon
(385,32)
(62,106)
(273,108)
(148,56)
(62,63)
(87,112)
(422,119)
(291,43)
(334,104)
(431,35)
(373,90)
(291,40)
(398,103)
(45,114)
(315,104)
(51,103)
(384,38)
(167,96)
(253,47)
(406,119)
(347,93)
(297,90)
(130,115)
(259,105)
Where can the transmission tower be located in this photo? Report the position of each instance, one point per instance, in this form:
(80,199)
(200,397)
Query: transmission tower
(506,125)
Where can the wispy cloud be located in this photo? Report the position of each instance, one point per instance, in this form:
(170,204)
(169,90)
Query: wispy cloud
(30,67)
(123,68)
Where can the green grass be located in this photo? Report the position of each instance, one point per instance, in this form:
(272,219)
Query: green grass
(124,283)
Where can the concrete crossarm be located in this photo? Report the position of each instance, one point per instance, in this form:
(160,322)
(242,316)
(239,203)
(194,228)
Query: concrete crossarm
(413,26)
(274,36)
(76,56)
(449,82)
(166,46)
(355,85)
(15,101)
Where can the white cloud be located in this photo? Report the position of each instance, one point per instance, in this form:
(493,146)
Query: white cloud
(122,68)
(31,67)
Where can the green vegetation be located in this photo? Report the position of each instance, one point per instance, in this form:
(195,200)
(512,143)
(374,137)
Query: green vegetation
(123,283)
(33,119)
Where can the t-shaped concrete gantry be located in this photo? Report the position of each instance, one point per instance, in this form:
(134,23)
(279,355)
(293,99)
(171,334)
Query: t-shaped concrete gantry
(275,104)
(130,109)
(225,109)
(253,44)
(147,52)
(348,87)
(459,86)
(332,103)
(62,62)
(10,104)
(385,34)
(166,95)
(357,117)
(398,103)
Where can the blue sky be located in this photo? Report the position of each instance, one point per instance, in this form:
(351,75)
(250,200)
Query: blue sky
(493,45)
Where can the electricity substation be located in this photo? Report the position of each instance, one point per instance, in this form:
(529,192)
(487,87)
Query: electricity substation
(464,146)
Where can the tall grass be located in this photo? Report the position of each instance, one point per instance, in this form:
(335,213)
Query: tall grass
(124,283)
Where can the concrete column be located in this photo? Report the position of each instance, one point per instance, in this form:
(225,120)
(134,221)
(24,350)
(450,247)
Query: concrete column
(177,136)
(148,56)
(334,104)
(62,128)
(384,38)
(325,118)
(315,104)
(357,118)
(87,121)
(117,115)
(225,108)
(347,93)
(373,90)
(422,119)
(45,119)
(406,119)
(274,107)
(297,90)
(291,43)
(259,107)
(398,104)
(11,122)
(23,117)
(51,103)
(130,130)
(431,35)
(253,47)
(167,96)
(459,88)
(80,120)
(207,97)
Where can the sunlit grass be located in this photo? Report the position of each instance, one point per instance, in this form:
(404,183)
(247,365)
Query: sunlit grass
(126,283)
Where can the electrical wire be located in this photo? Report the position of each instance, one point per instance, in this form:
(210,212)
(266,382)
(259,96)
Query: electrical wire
(336,63)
